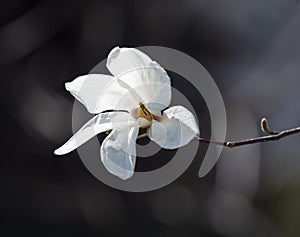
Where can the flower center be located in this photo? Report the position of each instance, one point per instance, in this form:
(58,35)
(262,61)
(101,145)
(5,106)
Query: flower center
(143,112)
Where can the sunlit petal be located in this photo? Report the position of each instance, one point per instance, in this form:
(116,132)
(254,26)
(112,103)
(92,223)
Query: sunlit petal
(116,97)
(121,60)
(149,84)
(98,92)
(88,88)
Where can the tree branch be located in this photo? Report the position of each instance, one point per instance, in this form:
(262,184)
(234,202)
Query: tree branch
(272,136)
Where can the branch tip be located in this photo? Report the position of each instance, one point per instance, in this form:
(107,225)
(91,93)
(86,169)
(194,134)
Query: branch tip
(265,127)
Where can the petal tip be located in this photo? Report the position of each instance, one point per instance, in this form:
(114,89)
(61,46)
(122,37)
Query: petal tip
(57,152)
(113,54)
(126,177)
(68,86)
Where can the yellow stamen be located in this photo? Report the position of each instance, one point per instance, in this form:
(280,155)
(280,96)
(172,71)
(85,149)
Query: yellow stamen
(143,112)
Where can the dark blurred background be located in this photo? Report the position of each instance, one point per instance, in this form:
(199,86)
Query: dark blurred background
(252,50)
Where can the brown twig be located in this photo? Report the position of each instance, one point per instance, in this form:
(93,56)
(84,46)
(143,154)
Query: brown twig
(272,136)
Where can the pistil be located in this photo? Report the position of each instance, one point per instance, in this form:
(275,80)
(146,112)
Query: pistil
(143,112)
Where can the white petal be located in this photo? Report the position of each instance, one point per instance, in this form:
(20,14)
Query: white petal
(161,97)
(100,92)
(100,123)
(88,88)
(150,84)
(121,60)
(177,128)
(118,151)
(116,97)
(184,115)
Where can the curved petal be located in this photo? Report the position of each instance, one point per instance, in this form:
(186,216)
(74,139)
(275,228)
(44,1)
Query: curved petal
(183,115)
(176,128)
(98,92)
(121,60)
(100,123)
(150,84)
(87,89)
(118,151)
(116,97)
(161,97)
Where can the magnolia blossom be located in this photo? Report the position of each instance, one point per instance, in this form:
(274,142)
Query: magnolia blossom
(135,96)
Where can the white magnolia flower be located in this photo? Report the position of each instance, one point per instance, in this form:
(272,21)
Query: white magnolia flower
(136,93)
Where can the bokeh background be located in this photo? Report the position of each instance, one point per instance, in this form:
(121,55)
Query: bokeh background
(252,50)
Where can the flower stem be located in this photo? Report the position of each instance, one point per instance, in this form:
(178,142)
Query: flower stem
(142,135)
(272,136)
